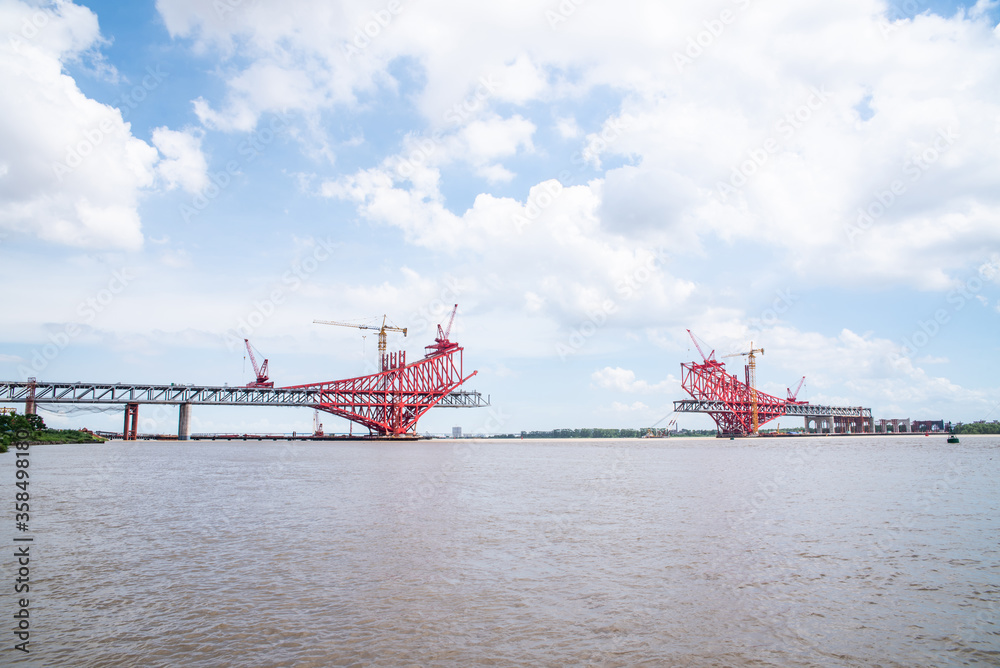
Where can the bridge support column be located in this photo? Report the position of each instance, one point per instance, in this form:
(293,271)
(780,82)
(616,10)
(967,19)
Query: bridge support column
(131,429)
(184,422)
(30,408)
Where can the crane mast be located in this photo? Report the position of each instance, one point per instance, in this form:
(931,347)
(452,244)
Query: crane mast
(752,384)
(792,396)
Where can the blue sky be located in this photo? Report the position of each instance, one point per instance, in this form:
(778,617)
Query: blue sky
(585,181)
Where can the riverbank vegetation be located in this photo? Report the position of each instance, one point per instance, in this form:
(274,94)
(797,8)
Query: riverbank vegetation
(978,428)
(32,429)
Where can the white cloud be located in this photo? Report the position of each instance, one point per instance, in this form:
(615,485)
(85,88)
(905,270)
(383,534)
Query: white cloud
(521,81)
(852,368)
(568,128)
(624,380)
(184,164)
(634,407)
(793,110)
(74,171)
(930,359)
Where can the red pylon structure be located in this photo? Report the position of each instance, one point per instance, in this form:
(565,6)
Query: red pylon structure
(389,403)
(709,381)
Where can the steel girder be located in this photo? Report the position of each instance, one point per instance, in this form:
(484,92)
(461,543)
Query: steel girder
(118,393)
(797,410)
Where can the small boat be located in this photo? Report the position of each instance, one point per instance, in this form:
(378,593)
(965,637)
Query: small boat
(952,438)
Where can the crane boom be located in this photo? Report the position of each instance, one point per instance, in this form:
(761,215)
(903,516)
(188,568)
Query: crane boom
(444,335)
(441,344)
(387,328)
(705,357)
(259,371)
(792,395)
(382,338)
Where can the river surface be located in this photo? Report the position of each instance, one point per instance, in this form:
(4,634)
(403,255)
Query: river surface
(880,551)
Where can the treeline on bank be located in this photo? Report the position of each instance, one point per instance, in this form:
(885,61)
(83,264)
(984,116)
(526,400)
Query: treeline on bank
(978,428)
(603,433)
(32,429)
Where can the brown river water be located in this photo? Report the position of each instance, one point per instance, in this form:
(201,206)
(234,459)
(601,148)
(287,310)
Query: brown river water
(881,551)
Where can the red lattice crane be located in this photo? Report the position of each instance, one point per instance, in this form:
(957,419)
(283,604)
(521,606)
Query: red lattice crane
(260,372)
(390,402)
(706,358)
(441,343)
(792,395)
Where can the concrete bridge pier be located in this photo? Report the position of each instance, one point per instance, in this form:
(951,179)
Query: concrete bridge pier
(130,430)
(184,422)
(823,423)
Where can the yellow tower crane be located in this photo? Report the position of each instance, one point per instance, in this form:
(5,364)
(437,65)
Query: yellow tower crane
(381,330)
(753,383)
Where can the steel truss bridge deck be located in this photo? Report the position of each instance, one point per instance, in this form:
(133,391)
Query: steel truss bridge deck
(117,393)
(799,410)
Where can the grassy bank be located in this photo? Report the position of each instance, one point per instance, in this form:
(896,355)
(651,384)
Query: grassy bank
(16,428)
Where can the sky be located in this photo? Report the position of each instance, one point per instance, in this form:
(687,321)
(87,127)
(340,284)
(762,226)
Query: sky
(586,180)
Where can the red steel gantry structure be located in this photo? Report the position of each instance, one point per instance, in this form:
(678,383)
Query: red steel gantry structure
(390,402)
(738,408)
(741,408)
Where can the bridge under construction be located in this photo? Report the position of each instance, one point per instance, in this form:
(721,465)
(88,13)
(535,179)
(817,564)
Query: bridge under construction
(739,408)
(131,396)
(389,403)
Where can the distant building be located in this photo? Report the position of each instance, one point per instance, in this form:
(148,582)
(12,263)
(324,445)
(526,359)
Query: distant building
(456,432)
(930,425)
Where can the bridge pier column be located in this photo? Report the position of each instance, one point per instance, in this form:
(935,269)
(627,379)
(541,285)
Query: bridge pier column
(130,430)
(30,407)
(184,422)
